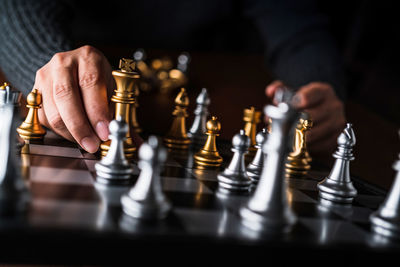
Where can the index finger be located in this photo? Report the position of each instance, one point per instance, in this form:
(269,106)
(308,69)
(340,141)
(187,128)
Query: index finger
(93,80)
(68,101)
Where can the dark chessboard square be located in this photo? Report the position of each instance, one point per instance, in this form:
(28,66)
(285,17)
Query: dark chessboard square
(64,192)
(312,210)
(178,172)
(192,200)
(331,231)
(57,162)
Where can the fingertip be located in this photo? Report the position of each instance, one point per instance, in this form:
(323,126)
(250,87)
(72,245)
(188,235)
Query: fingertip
(90,144)
(102,130)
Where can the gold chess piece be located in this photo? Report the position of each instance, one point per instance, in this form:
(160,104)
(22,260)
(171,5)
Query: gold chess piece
(251,117)
(4,85)
(177,137)
(31,129)
(127,80)
(298,162)
(134,123)
(208,156)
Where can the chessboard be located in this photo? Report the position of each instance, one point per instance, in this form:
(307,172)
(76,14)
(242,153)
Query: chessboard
(68,208)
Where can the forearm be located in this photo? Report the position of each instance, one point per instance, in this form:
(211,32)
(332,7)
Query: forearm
(31,33)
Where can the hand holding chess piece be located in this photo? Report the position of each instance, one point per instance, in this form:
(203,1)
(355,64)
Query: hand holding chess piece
(75,86)
(320,101)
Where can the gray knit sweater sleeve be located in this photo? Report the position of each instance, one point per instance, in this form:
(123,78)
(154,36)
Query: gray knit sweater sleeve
(31,32)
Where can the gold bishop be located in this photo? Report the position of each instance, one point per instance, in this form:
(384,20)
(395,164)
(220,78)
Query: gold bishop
(177,137)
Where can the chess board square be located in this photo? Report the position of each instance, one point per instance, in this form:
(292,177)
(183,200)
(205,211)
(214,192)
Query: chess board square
(60,176)
(298,196)
(184,185)
(310,185)
(332,231)
(70,192)
(206,222)
(57,151)
(62,213)
(312,210)
(205,175)
(56,162)
(179,172)
(192,200)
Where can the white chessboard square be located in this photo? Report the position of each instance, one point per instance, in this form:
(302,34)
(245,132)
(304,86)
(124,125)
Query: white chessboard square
(56,151)
(60,176)
(184,185)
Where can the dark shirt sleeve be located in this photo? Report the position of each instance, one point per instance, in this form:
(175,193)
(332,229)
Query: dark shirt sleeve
(298,43)
(31,32)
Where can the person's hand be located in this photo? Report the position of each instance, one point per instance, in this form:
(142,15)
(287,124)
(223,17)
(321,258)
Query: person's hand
(75,87)
(326,111)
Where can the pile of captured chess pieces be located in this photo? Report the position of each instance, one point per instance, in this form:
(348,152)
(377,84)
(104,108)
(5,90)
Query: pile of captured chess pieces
(263,180)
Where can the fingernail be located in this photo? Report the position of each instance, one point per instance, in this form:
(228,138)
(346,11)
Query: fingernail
(90,144)
(102,130)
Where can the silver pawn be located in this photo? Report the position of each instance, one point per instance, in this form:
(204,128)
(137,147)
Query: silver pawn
(234,177)
(255,167)
(13,192)
(198,129)
(146,199)
(268,210)
(337,187)
(386,220)
(114,168)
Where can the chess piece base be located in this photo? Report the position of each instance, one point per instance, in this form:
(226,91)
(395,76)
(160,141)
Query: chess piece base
(139,210)
(206,158)
(174,143)
(113,175)
(337,192)
(129,148)
(270,222)
(233,181)
(389,227)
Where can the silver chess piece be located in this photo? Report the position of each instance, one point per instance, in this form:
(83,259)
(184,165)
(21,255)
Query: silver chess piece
(183,62)
(114,167)
(268,210)
(255,167)
(146,199)
(9,96)
(386,220)
(198,129)
(13,193)
(338,187)
(234,177)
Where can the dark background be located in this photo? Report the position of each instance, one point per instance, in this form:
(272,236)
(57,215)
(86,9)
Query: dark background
(366,31)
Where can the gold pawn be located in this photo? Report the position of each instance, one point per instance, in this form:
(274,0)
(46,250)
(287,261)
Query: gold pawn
(251,117)
(177,137)
(298,162)
(127,80)
(31,129)
(208,156)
